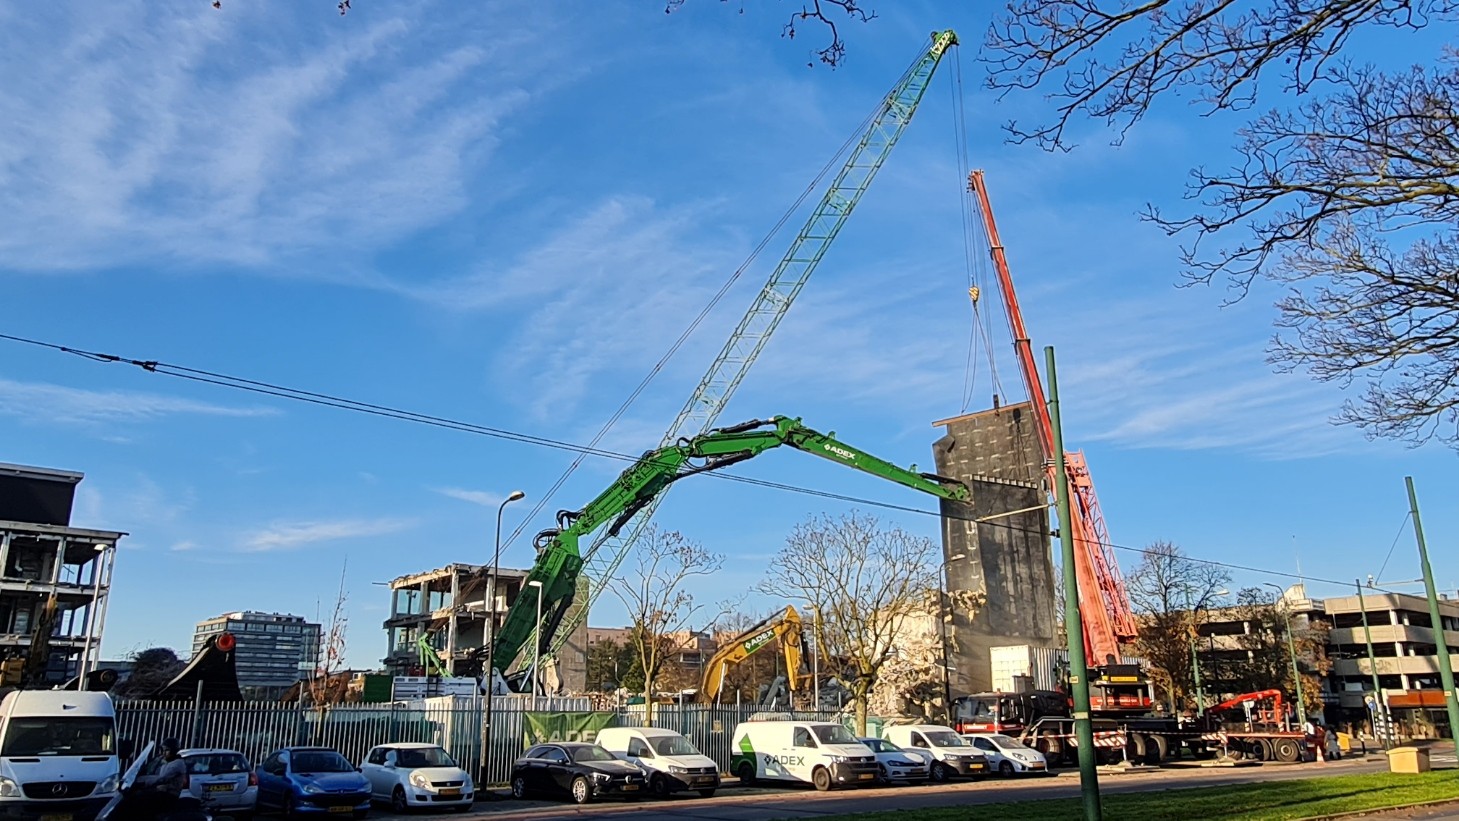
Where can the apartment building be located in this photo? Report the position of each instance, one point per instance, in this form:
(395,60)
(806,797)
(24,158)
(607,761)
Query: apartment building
(55,579)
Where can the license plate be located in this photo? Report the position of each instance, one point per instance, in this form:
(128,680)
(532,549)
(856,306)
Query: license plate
(56,817)
(704,780)
(977,766)
(341,809)
(865,776)
(630,787)
(219,788)
(451,791)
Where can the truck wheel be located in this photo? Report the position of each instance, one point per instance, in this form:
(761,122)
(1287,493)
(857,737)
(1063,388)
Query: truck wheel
(1135,749)
(1051,747)
(821,778)
(1157,750)
(746,773)
(1286,749)
(938,772)
(1256,750)
(660,786)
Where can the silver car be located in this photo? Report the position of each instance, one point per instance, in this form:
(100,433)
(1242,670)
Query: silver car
(222,779)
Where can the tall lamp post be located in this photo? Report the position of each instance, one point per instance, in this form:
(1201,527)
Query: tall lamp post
(1291,648)
(488,676)
(1195,659)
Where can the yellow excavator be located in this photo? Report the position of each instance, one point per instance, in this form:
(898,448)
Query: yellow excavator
(783,626)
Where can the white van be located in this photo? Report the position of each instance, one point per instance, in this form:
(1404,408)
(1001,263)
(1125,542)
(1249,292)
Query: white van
(947,753)
(58,754)
(818,752)
(670,760)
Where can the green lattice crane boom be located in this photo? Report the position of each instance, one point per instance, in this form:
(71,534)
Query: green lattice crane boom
(560,560)
(770,306)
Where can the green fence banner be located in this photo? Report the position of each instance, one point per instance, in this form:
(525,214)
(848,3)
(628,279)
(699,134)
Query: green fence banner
(542,727)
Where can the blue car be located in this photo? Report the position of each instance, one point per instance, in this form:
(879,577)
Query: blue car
(307,781)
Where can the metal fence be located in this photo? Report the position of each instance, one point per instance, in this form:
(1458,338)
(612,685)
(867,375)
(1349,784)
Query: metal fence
(258,728)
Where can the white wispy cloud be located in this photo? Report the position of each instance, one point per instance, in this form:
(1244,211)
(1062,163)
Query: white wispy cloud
(485,498)
(171,132)
(292,535)
(47,403)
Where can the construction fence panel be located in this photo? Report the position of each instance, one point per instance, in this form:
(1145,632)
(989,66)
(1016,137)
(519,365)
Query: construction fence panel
(256,729)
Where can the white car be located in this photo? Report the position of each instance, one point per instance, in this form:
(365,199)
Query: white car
(1008,755)
(896,764)
(222,779)
(413,776)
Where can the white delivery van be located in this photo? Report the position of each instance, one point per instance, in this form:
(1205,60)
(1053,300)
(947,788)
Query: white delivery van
(58,754)
(671,761)
(819,752)
(947,753)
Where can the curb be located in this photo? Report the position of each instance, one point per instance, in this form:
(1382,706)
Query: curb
(1446,802)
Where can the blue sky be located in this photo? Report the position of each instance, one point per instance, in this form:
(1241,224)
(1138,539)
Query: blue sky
(506,213)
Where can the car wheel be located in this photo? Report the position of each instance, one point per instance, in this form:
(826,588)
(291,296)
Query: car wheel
(519,787)
(706,793)
(582,791)
(881,770)
(821,778)
(660,786)
(1005,769)
(938,771)
(746,773)
(398,803)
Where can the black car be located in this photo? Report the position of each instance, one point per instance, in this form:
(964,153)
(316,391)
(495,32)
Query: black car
(582,771)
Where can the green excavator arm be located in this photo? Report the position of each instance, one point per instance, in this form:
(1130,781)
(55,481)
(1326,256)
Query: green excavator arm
(559,557)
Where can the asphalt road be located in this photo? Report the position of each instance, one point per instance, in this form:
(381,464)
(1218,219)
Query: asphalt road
(735,803)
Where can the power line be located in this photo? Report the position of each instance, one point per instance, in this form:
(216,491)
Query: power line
(385,411)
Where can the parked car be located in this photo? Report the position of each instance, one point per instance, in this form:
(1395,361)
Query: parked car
(946,753)
(822,753)
(312,781)
(670,761)
(895,763)
(581,771)
(412,776)
(222,780)
(1008,755)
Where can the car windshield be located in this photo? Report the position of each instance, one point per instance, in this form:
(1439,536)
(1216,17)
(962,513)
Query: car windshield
(1004,742)
(833,734)
(591,753)
(321,761)
(674,745)
(945,738)
(216,764)
(423,757)
(59,736)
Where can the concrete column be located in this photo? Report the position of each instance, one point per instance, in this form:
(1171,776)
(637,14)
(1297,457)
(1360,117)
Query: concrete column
(4,552)
(394,602)
(451,624)
(1393,618)
(1403,680)
(60,559)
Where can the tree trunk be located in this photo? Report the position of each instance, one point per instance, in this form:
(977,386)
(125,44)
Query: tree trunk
(861,694)
(648,697)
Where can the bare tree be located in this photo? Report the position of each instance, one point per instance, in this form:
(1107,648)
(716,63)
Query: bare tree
(866,581)
(1173,594)
(1268,659)
(656,600)
(1347,194)
(324,686)
(814,12)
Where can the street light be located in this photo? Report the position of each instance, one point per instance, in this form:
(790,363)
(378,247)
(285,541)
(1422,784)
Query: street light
(1195,662)
(488,676)
(1292,648)
(536,642)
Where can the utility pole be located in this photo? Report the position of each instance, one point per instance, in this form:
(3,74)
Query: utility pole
(1196,673)
(1292,649)
(1446,669)
(1073,625)
(1379,711)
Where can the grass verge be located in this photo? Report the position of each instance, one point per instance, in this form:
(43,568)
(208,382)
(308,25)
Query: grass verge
(1260,801)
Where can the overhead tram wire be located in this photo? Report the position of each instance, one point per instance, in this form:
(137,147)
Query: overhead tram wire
(341,403)
(1406,516)
(832,163)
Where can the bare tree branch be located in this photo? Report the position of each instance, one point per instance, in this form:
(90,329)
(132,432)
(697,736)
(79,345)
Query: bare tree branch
(835,51)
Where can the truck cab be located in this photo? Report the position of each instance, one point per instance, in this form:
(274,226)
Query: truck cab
(58,754)
(670,760)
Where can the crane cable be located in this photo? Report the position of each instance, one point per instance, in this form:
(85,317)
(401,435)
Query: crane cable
(975,263)
(698,320)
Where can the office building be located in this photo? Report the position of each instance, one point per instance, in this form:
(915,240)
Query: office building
(274,650)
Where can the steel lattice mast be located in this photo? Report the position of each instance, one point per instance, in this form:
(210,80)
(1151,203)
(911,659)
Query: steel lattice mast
(775,298)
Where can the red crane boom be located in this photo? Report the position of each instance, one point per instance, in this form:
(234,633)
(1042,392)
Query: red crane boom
(1103,602)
